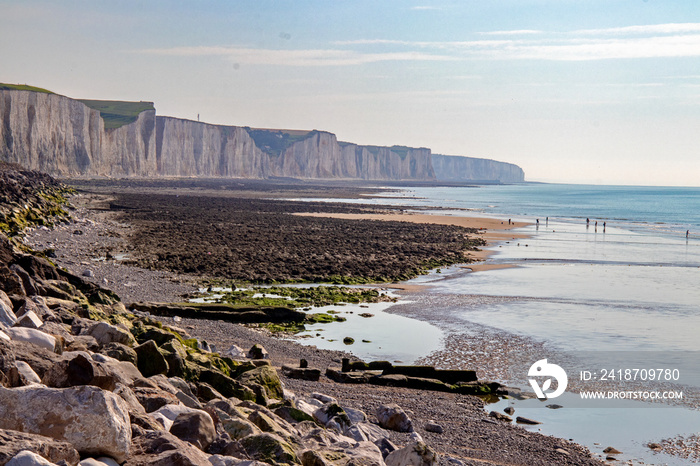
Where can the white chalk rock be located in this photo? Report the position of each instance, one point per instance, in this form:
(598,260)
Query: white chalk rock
(95,421)
(31,335)
(29,320)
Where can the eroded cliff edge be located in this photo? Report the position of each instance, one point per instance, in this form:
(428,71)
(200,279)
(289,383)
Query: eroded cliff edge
(65,137)
(460,169)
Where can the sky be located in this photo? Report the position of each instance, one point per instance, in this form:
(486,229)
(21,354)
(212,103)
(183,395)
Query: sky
(573,91)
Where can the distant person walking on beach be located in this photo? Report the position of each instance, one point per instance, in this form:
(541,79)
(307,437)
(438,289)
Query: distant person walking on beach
(687,232)
(604,227)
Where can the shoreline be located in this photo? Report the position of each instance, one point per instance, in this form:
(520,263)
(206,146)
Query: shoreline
(488,440)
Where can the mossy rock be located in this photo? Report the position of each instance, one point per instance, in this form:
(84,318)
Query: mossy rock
(150,360)
(265,376)
(227,386)
(293,415)
(175,355)
(269,448)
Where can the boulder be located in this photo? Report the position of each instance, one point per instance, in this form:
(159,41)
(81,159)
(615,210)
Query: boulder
(22,374)
(81,370)
(265,376)
(392,417)
(150,360)
(95,421)
(34,336)
(160,448)
(153,399)
(29,320)
(234,352)
(120,352)
(306,373)
(196,427)
(175,355)
(418,454)
(265,447)
(12,442)
(29,458)
(37,305)
(258,352)
(106,333)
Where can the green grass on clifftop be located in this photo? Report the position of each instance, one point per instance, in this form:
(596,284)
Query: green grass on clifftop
(117,113)
(22,87)
(275,142)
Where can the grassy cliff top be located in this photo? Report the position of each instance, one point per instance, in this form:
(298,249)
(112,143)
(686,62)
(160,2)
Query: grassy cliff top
(274,141)
(118,113)
(22,87)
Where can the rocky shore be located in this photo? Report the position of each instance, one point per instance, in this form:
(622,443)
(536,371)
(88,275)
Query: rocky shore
(86,380)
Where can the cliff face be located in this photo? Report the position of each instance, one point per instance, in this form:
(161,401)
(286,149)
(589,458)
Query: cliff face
(191,148)
(61,136)
(130,149)
(389,163)
(457,168)
(65,137)
(48,132)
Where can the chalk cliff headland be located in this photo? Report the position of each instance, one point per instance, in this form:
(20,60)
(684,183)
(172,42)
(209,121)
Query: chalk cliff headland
(65,137)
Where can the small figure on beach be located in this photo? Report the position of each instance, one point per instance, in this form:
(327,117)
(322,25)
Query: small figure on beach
(546,221)
(596,226)
(538,222)
(508,221)
(588,221)
(604,226)
(687,233)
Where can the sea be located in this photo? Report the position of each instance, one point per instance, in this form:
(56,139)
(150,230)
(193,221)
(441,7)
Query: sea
(603,280)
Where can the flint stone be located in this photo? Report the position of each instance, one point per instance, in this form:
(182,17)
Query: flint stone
(106,333)
(95,421)
(23,375)
(13,442)
(392,417)
(196,427)
(432,426)
(28,458)
(162,448)
(33,336)
(7,317)
(36,304)
(234,352)
(418,454)
(29,320)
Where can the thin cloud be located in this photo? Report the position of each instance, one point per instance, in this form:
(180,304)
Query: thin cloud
(637,42)
(304,57)
(517,32)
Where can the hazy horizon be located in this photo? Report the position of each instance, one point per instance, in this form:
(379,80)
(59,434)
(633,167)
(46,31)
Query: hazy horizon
(592,92)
